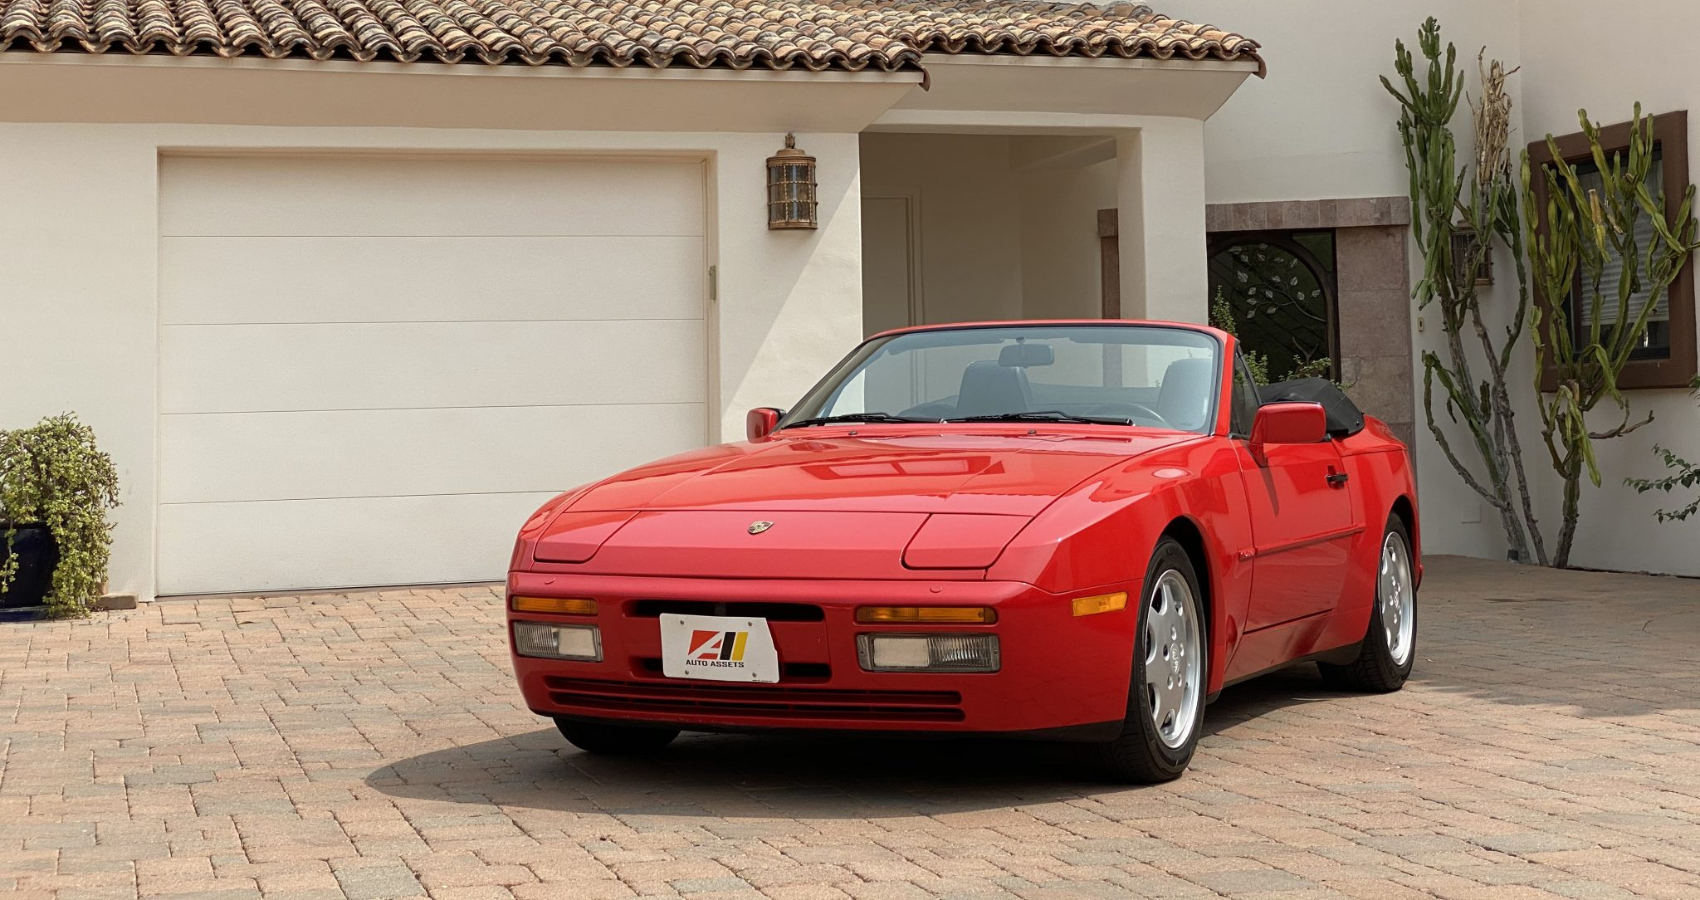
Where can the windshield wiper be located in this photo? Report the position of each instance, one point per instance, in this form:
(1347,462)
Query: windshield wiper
(854,417)
(1048,415)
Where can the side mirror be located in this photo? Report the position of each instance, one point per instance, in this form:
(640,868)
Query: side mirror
(760,422)
(1287,423)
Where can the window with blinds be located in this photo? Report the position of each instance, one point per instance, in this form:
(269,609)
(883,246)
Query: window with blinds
(1668,355)
(1656,342)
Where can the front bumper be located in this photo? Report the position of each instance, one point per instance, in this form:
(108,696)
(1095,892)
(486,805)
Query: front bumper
(1060,675)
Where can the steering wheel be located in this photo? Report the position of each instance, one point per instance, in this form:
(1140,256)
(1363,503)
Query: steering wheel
(1127,411)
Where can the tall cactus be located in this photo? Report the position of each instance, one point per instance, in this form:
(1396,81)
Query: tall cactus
(1484,194)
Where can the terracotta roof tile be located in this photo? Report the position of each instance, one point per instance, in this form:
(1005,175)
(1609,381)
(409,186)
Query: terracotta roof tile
(847,35)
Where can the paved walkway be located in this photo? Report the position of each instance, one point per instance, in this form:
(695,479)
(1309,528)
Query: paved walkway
(372,745)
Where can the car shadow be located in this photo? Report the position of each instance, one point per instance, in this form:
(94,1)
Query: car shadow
(1296,686)
(748,776)
(788,776)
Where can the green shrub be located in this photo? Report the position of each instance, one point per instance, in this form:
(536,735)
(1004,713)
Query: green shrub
(1686,475)
(54,474)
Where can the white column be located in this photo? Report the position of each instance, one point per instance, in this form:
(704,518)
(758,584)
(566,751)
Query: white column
(789,303)
(1160,221)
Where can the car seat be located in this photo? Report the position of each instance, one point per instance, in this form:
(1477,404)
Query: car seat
(1183,400)
(989,388)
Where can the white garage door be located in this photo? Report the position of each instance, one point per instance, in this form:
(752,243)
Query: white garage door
(373,369)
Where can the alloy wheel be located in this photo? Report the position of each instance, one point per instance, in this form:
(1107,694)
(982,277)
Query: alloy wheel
(1174,659)
(1398,599)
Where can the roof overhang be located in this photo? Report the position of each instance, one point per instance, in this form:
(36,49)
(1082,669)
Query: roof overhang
(968,89)
(80,87)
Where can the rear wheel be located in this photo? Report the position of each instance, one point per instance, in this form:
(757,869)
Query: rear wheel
(607,739)
(1390,646)
(1165,705)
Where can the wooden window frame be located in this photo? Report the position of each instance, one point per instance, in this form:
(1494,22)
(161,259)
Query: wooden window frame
(1670,132)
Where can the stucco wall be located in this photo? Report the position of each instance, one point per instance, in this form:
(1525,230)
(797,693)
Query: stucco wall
(1617,526)
(1321,127)
(79,246)
(1060,254)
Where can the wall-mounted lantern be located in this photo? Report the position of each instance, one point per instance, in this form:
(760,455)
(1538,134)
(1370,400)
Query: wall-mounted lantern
(1465,246)
(791,188)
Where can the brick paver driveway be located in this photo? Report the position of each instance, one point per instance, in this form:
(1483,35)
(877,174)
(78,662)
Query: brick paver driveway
(372,745)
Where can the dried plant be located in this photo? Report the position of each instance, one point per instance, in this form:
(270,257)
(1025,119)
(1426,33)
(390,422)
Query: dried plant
(1492,115)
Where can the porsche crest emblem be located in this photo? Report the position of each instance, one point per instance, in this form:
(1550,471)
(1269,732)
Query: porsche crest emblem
(759,527)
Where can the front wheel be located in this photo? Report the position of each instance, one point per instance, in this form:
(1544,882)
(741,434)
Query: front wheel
(607,739)
(1390,646)
(1165,704)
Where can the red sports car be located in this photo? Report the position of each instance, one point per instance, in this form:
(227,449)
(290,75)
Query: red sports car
(1068,530)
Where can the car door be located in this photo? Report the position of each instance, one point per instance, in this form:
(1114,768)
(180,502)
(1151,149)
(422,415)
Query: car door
(1302,520)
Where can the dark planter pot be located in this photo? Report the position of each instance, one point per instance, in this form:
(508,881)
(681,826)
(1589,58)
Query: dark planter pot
(38,556)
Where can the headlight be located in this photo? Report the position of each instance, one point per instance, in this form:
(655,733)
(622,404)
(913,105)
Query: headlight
(928,652)
(580,642)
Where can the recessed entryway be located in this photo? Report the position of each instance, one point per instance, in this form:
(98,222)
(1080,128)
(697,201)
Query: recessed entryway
(978,227)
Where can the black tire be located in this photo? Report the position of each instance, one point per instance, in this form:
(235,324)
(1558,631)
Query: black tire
(606,739)
(1376,671)
(1139,755)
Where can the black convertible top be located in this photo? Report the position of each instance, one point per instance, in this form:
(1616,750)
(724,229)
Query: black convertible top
(1344,417)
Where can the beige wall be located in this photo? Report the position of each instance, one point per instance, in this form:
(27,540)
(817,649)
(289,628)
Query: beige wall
(1321,127)
(1617,526)
(79,244)
(1060,254)
(79,158)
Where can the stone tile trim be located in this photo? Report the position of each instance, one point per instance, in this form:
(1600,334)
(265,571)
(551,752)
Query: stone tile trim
(1358,212)
(1284,215)
(1373,306)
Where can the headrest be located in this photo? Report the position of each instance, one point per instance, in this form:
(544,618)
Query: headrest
(989,388)
(1184,398)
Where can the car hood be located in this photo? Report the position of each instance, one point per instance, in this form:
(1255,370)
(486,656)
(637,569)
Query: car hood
(999,474)
(846,505)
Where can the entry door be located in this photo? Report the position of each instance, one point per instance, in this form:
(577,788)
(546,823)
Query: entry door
(372,370)
(891,287)
(891,260)
(1302,527)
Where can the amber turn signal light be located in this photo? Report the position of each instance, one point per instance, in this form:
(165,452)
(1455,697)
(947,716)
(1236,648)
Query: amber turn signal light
(926,615)
(1103,603)
(558,605)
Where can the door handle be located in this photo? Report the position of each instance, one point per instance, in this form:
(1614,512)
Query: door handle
(1337,479)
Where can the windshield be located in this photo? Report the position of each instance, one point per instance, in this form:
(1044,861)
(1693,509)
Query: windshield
(1128,375)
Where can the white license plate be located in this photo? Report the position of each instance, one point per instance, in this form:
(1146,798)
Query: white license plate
(718,648)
